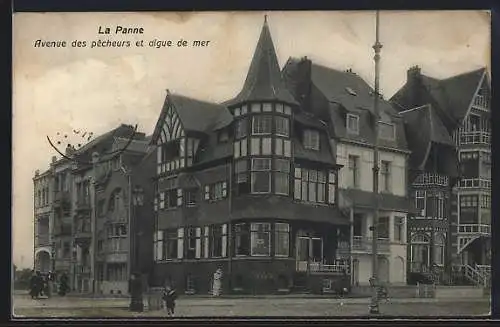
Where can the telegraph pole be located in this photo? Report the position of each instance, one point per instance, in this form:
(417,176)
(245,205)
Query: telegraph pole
(374,305)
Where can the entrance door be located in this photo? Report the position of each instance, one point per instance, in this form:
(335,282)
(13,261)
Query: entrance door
(309,250)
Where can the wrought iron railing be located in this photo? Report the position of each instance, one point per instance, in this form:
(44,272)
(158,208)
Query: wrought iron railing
(363,243)
(431,179)
(475,182)
(475,137)
(481,102)
(474,229)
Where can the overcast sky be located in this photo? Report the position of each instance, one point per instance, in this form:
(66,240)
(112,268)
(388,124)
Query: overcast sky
(61,89)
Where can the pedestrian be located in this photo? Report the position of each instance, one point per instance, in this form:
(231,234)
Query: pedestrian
(39,284)
(169,296)
(34,286)
(135,290)
(63,284)
(217,282)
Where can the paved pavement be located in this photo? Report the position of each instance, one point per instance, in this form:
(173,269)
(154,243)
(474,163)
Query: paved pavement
(187,306)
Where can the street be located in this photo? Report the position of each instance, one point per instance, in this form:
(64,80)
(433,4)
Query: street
(191,306)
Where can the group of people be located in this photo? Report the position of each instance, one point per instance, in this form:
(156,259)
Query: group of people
(41,284)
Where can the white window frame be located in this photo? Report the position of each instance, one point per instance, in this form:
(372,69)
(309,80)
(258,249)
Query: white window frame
(348,127)
(253,170)
(263,117)
(253,230)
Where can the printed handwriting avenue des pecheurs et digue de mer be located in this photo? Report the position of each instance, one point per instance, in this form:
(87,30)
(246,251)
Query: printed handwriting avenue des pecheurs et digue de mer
(121,30)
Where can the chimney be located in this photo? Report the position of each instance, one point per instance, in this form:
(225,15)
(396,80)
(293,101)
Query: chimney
(37,172)
(413,74)
(54,159)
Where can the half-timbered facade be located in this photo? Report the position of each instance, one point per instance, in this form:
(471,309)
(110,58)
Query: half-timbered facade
(463,104)
(248,186)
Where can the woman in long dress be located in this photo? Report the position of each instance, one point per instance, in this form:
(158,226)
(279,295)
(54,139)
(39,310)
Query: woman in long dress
(217,283)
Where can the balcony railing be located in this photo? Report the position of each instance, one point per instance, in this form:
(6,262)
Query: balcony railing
(83,269)
(474,229)
(475,182)
(364,244)
(481,102)
(431,179)
(42,239)
(321,268)
(475,137)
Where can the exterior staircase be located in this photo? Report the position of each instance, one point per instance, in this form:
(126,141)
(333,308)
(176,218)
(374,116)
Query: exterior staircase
(478,275)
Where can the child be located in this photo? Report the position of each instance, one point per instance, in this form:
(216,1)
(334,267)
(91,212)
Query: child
(169,296)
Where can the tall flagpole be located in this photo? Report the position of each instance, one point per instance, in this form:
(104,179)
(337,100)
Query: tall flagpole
(374,305)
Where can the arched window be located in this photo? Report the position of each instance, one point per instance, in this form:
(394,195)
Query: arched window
(439,248)
(420,255)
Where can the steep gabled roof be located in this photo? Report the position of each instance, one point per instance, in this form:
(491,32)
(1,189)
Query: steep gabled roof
(452,95)
(337,85)
(423,129)
(264,80)
(195,115)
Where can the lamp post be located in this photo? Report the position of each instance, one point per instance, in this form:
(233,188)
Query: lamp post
(374,305)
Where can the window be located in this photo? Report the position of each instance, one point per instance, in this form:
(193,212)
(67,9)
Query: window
(206,242)
(241,128)
(162,200)
(281,181)
(192,242)
(267,107)
(242,179)
(191,197)
(468,201)
(260,239)
(385,175)
(282,125)
(282,240)
(420,202)
(255,107)
(399,229)
(261,175)
(282,147)
(170,244)
(383,227)
(354,171)
(261,125)
(242,239)
(440,205)
(486,201)
(216,191)
(439,248)
(155,204)
(218,238)
(352,124)
(313,186)
(179,197)
(311,139)
(358,225)
(386,131)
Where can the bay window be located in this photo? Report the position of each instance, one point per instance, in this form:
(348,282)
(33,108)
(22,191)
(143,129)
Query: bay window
(312,185)
(282,126)
(281,173)
(260,239)
(261,175)
(241,177)
(261,125)
(282,240)
(241,128)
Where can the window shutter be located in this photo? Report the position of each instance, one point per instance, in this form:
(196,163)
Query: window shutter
(224,240)
(159,245)
(180,243)
(224,189)
(207,192)
(205,248)
(179,197)
(198,243)
(155,249)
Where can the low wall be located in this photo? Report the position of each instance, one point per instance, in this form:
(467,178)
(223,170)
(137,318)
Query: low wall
(449,292)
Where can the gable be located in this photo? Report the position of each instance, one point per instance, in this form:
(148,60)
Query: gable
(171,127)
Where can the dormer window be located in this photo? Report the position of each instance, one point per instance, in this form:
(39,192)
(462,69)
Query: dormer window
(352,124)
(311,139)
(386,131)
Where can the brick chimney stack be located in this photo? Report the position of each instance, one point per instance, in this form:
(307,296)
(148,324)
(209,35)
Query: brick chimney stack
(413,74)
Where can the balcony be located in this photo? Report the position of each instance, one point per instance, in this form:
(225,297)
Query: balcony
(474,229)
(431,179)
(475,183)
(364,244)
(475,138)
(83,270)
(42,240)
(481,102)
(337,268)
